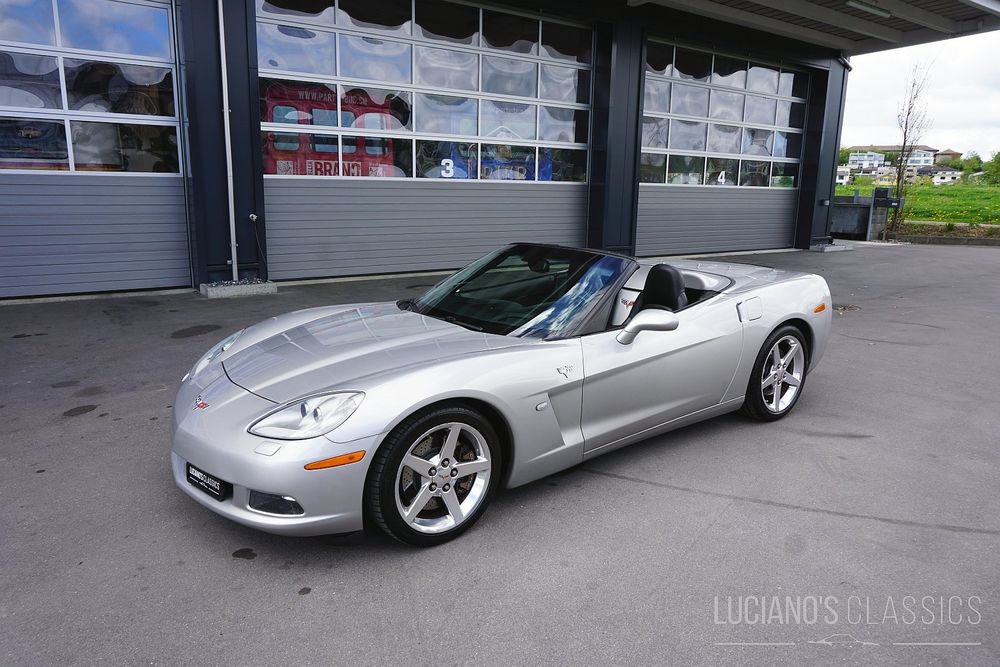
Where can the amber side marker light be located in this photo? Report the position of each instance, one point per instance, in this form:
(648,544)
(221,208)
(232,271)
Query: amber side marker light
(341,460)
(820,308)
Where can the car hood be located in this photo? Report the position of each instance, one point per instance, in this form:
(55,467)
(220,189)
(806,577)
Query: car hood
(340,349)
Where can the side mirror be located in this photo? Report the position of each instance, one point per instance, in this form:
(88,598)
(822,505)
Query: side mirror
(652,319)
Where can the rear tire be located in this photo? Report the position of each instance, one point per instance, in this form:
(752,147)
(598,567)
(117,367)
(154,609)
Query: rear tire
(434,475)
(778,375)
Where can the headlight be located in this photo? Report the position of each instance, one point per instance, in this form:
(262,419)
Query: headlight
(308,417)
(212,354)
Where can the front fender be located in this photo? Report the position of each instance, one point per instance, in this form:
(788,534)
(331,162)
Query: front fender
(524,384)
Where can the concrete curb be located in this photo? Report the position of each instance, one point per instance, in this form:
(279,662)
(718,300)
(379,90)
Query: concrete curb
(949,240)
(248,289)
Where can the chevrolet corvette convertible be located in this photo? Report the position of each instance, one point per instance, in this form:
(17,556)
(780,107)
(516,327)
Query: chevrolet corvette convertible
(410,415)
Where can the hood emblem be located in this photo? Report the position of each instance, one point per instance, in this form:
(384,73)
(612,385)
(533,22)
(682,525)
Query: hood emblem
(200,404)
(565,371)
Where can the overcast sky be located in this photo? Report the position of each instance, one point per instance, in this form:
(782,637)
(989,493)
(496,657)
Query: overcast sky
(963,94)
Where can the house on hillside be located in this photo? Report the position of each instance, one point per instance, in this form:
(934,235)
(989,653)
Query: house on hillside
(922,156)
(843,175)
(945,175)
(946,156)
(865,162)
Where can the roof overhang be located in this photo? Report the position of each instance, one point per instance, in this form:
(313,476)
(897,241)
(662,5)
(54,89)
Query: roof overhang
(852,27)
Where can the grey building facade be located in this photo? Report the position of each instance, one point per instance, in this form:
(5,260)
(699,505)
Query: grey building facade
(164,143)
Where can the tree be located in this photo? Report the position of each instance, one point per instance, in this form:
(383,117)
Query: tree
(913,121)
(845,155)
(992,170)
(891,157)
(972,162)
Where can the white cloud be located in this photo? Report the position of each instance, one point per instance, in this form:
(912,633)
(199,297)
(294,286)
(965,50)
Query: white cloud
(963,94)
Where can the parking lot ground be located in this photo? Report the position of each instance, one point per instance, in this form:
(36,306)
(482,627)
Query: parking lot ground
(882,484)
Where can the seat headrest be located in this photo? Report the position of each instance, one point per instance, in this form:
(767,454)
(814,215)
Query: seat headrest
(664,287)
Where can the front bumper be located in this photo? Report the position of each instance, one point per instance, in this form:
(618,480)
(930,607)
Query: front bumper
(214,439)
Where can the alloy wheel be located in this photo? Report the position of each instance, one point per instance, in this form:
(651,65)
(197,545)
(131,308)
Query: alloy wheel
(443,478)
(782,374)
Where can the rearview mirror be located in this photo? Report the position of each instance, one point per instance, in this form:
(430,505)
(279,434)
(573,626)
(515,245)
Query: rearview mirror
(652,319)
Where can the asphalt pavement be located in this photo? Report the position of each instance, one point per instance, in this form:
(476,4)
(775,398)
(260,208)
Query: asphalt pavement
(864,528)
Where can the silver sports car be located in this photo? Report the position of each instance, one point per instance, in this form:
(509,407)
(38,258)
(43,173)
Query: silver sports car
(409,415)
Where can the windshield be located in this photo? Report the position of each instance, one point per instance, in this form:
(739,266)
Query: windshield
(524,290)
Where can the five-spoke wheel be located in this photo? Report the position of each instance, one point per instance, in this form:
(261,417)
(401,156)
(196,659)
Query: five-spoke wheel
(778,375)
(434,475)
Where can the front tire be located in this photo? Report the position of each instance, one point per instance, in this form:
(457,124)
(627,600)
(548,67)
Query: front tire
(778,375)
(434,475)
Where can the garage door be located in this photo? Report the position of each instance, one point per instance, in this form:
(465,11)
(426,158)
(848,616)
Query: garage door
(403,136)
(90,172)
(721,148)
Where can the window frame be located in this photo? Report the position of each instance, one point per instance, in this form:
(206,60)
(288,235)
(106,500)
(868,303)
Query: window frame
(480,50)
(66,116)
(708,120)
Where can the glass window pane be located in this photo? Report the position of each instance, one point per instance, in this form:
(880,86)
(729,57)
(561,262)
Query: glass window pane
(296,49)
(444,114)
(730,72)
(508,120)
(784,175)
(562,164)
(300,154)
(324,143)
(660,59)
(118,88)
(689,100)
(509,32)
(569,125)
(727,106)
(376,157)
(565,84)
(652,168)
(315,11)
(29,81)
(687,135)
(102,25)
(762,78)
(509,77)
(787,144)
(755,173)
(693,65)
(791,114)
(371,58)
(385,15)
(503,162)
(686,170)
(724,139)
(760,110)
(441,68)
(564,42)
(655,132)
(656,96)
(27,21)
(298,102)
(447,159)
(121,147)
(793,84)
(375,109)
(447,22)
(33,144)
(757,141)
(722,171)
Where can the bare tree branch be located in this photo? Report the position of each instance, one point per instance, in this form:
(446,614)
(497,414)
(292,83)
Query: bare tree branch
(913,121)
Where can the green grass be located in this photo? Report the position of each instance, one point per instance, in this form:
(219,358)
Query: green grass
(946,203)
